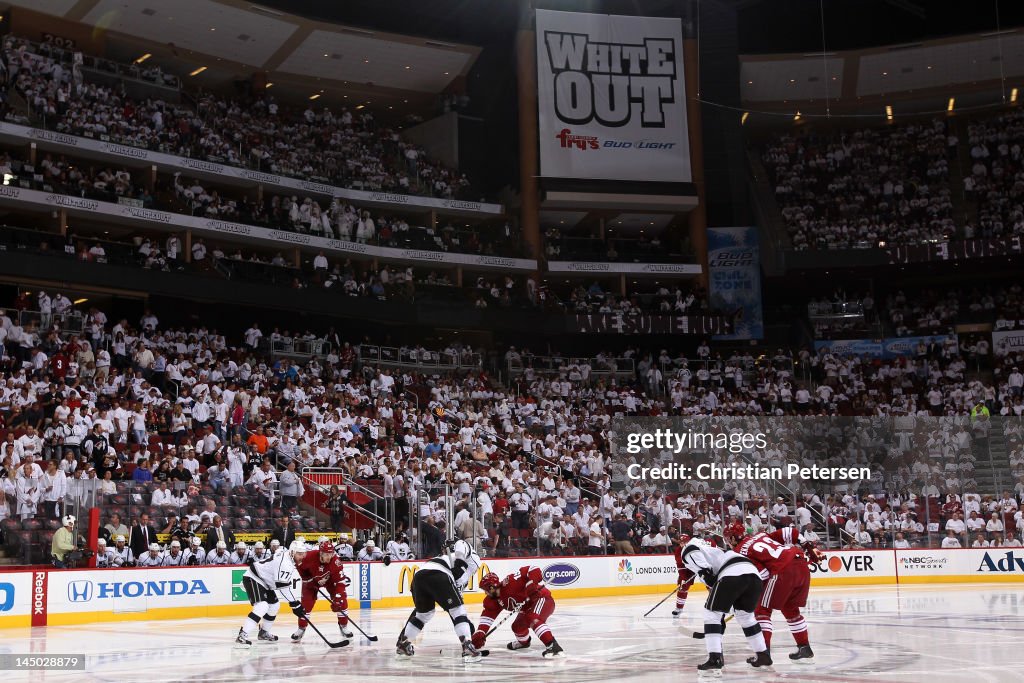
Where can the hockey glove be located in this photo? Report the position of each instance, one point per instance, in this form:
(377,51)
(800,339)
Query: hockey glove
(297,609)
(479,638)
(707,576)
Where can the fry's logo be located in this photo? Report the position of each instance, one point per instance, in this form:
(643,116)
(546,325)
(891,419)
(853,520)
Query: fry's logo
(608,81)
(567,140)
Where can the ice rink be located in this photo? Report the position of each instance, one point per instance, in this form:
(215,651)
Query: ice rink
(927,633)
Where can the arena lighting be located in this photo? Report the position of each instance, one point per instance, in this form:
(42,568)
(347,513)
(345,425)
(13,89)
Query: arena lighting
(269,85)
(314,96)
(360,106)
(743,119)
(952,102)
(79,301)
(198,71)
(143,58)
(797,117)
(1013,95)
(888,112)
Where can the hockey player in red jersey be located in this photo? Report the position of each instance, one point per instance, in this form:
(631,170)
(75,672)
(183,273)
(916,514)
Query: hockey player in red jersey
(323,570)
(685,578)
(784,569)
(523,591)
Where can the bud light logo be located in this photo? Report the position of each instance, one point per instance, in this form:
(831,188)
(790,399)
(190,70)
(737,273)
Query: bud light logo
(562,574)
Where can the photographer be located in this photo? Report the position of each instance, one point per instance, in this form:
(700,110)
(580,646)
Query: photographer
(63,543)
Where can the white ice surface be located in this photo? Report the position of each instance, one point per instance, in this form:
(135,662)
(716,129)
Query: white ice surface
(930,634)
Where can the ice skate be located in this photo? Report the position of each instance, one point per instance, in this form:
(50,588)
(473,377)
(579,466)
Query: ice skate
(803,655)
(713,667)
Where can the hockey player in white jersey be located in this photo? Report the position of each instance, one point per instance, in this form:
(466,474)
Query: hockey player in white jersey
(440,581)
(733,585)
(260,552)
(152,557)
(344,549)
(122,554)
(219,555)
(242,555)
(104,555)
(174,557)
(398,548)
(194,553)
(263,581)
(370,553)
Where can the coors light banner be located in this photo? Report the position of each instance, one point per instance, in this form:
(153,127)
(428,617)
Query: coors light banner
(611,100)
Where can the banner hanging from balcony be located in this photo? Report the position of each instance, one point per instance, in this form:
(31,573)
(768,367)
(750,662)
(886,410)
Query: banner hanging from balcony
(616,323)
(734,279)
(611,98)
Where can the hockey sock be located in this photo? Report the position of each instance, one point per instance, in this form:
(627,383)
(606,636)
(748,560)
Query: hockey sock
(303,623)
(252,622)
(544,633)
(680,603)
(713,631)
(268,622)
(798,627)
(765,622)
(416,623)
(343,619)
(752,631)
(463,627)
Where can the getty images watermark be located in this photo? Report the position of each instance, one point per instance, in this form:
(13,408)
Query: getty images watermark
(739,449)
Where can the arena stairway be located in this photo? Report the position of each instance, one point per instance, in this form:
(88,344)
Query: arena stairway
(994,475)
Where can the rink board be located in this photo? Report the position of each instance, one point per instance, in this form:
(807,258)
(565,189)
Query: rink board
(61,597)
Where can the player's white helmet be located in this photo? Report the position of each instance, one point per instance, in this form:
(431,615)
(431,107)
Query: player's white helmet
(259,545)
(155,547)
(175,544)
(322,539)
(196,540)
(221,545)
(69,520)
(240,545)
(101,542)
(298,548)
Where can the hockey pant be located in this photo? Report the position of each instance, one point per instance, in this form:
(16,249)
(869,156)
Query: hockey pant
(535,617)
(265,606)
(682,592)
(738,594)
(310,593)
(431,588)
(786,591)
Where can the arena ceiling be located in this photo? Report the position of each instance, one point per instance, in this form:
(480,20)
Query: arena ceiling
(232,37)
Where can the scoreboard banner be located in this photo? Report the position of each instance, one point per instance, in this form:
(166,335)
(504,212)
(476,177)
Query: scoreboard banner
(611,101)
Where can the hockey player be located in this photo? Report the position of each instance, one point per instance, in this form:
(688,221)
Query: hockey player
(194,554)
(440,581)
(685,576)
(123,555)
(522,591)
(370,552)
(733,585)
(323,571)
(174,557)
(263,581)
(398,548)
(260,552)
(784,569)
(275,546)
(219,555)
(104,555)
(344,549)
(241,554)
(152,558)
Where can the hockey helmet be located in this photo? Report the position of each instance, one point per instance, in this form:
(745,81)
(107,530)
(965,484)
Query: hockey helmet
(196,540)
(241,545)
(101,542)
(297,548)
(489,581)
(734,533)
(175,544)
(155,547)
(322,539)
(119,539)
(221,545)
(326,546)
(259,545)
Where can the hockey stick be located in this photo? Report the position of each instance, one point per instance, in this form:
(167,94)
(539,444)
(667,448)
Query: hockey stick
(674,591)
(700,634)
(372,639)
(342,643)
